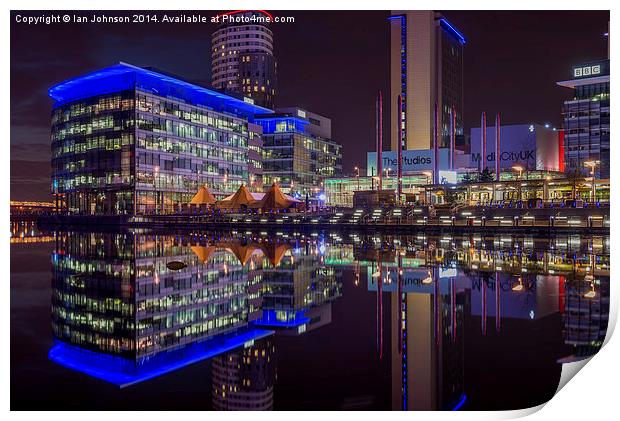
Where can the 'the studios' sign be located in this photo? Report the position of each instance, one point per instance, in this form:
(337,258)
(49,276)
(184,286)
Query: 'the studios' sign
(413,160)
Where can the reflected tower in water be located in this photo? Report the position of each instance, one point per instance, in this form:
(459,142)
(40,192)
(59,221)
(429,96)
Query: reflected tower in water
(244,379)
(427,304)
(427,338)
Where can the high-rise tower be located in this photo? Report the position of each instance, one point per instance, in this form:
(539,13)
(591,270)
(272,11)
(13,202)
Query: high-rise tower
(426,66)
(242,59)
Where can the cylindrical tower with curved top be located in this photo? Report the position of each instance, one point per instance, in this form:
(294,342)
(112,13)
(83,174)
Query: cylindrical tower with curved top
(242,59)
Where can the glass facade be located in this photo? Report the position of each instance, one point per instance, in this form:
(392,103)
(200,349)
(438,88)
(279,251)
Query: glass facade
(128,307)
(586,123)
(148,147)
(114,294)
(339,191)
(255,158)
(180,148)
(296,156)
(451,83)
(93,158)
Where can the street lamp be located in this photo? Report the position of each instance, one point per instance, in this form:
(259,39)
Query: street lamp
(519,286)
(518,168)
(428,279)
(591,293)
(592,165)
(357,174)
(428,175)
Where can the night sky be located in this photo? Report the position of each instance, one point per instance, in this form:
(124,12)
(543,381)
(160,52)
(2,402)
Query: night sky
(331,63)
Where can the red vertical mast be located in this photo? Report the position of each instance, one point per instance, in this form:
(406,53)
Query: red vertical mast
(400,302)
(437,304)
(452,136)
(380,307)
(497,148)
(400,149)
(483,285)
(436,146)
(379,121)
(483,141)
(498,316)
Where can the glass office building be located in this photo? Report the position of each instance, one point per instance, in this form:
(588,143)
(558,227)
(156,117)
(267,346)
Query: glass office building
(128,140)
(255,158)
(128,307)
(586,119)
(298,152)
(121,314)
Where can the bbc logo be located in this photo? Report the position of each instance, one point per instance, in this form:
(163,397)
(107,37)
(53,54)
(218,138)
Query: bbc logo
(587,71)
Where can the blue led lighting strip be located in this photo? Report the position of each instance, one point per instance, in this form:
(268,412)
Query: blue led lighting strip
(269,124)
(293,319)
(403,333)
(403,75)
(125,76)
(403,79)
(450,28)
(124,372)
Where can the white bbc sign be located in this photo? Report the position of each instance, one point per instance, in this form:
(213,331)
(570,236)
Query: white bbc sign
(587,71)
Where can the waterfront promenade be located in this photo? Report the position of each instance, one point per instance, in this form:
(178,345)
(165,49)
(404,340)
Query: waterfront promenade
(484,219)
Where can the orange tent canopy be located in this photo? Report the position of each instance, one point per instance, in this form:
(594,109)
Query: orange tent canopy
(275,199)
(275,252)
(241,252)
(203,197)
(241,198)
(203,252)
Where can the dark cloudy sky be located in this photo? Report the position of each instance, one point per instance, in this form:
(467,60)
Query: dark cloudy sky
(331,63)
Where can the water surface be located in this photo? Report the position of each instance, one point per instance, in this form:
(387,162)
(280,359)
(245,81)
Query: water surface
(255,320)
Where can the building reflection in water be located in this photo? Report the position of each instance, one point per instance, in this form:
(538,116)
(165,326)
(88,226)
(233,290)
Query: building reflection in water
(244,379)
(121,314)
(433,284)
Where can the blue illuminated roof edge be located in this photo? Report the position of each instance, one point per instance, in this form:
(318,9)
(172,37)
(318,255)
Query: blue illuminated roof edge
(124,68)
(452,29)
(98,365)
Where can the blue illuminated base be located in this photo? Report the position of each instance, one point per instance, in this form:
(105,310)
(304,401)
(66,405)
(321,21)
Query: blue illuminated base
(292,318)
(460,403)
(123,372)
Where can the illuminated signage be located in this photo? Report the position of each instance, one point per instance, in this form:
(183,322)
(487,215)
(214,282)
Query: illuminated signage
(301,113)
(248,100)
(412,160)
(587,71)
(518,146)
(599,68)
(507,157)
